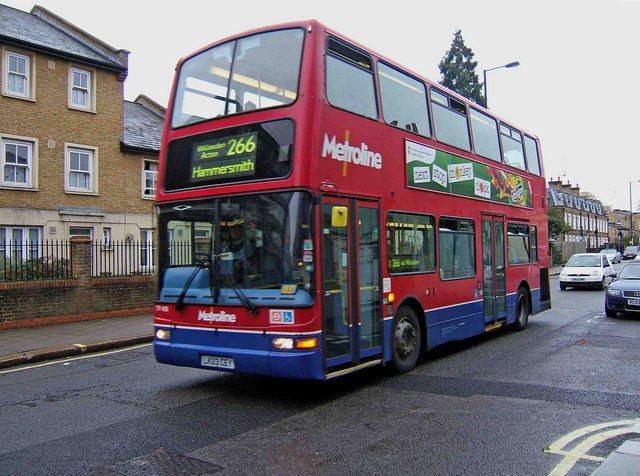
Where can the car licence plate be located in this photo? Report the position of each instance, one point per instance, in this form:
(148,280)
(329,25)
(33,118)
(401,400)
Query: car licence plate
(633,302)
(217,362)
(578,279)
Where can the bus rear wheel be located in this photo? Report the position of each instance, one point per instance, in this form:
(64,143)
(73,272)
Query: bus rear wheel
(405,340)
(522,310)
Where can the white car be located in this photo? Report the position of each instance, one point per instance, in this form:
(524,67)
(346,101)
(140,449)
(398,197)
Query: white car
(586,270)
(614,255)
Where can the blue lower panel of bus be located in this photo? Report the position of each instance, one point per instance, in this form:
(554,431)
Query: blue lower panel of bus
(252,353)
(535,301)
(454,323)
(467,320)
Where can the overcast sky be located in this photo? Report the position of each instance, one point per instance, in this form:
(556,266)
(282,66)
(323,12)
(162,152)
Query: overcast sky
(576,86)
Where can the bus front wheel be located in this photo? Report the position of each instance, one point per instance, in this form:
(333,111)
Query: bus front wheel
(405,340)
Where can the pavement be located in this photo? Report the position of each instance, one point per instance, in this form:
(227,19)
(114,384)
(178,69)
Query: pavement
(55,341)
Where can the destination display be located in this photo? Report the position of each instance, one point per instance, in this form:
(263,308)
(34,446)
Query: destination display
(246,153)
(433,169)
(224,158)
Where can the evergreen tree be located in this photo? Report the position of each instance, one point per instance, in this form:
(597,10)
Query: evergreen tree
(557,225)
(458,71)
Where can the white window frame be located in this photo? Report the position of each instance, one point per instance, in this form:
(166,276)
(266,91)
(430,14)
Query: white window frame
(147,255)
(149,175)
(107,240)
(80,88)
(70,183)
(9,74)
(30,166)
(29,247)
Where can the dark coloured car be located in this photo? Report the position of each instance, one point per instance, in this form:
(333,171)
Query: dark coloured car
(630,252)
(623,294)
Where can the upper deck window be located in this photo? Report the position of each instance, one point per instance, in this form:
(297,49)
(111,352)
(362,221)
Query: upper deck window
(512,147)
(533,159)
(450,121)
(485,135)
(350,83)
(255,72)
(404,101)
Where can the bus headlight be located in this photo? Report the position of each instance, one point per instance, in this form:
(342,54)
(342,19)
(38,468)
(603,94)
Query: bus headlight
(163,334)
(282,343)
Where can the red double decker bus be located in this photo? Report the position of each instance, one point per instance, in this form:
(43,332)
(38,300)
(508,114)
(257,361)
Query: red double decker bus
(322,209)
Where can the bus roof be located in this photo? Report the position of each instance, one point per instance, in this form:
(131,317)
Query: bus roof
(312,24)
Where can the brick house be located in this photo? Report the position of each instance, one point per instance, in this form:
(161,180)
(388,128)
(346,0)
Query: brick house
(587,218)
(619,228)
(77,159)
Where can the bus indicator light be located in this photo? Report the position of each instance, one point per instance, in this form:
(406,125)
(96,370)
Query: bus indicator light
(305,344)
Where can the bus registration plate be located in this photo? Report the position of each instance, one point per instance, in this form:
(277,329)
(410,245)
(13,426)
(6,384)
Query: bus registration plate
(217,362)
(633,302)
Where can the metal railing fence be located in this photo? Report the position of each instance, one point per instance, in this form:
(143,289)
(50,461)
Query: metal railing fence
(122,258)
(35,260)
(22,261)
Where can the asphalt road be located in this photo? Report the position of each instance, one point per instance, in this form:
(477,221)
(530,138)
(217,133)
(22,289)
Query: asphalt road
(490,405)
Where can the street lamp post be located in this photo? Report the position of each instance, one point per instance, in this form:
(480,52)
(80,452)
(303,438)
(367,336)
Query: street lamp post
(631,211)
(484,77)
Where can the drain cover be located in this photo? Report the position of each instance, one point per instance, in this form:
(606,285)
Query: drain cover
(161,462)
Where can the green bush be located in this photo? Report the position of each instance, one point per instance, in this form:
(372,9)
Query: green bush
(34,269)
(556,255)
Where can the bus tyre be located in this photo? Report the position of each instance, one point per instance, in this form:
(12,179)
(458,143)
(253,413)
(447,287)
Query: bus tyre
(405,340)
(522,310)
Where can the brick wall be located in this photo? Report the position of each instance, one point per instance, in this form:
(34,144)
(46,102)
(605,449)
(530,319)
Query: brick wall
(81,298)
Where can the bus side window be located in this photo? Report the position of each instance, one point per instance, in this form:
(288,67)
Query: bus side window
(450,121)
(404,100)
(349,80)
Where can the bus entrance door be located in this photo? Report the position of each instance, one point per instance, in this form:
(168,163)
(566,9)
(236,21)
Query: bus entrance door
(351,305)
(493,266)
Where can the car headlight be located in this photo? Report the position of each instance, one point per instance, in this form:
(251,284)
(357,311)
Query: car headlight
(595,272)
(614,292)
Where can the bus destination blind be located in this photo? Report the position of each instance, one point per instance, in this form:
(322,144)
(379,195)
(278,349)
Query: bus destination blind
(224,158)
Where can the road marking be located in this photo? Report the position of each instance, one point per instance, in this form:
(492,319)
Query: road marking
(71,359)
(598,434)
(598,320)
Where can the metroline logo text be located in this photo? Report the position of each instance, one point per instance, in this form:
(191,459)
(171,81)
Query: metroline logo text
(216,316)
(344,152)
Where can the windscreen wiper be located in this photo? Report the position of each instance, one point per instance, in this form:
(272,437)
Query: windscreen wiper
(242,297)
(200,264)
